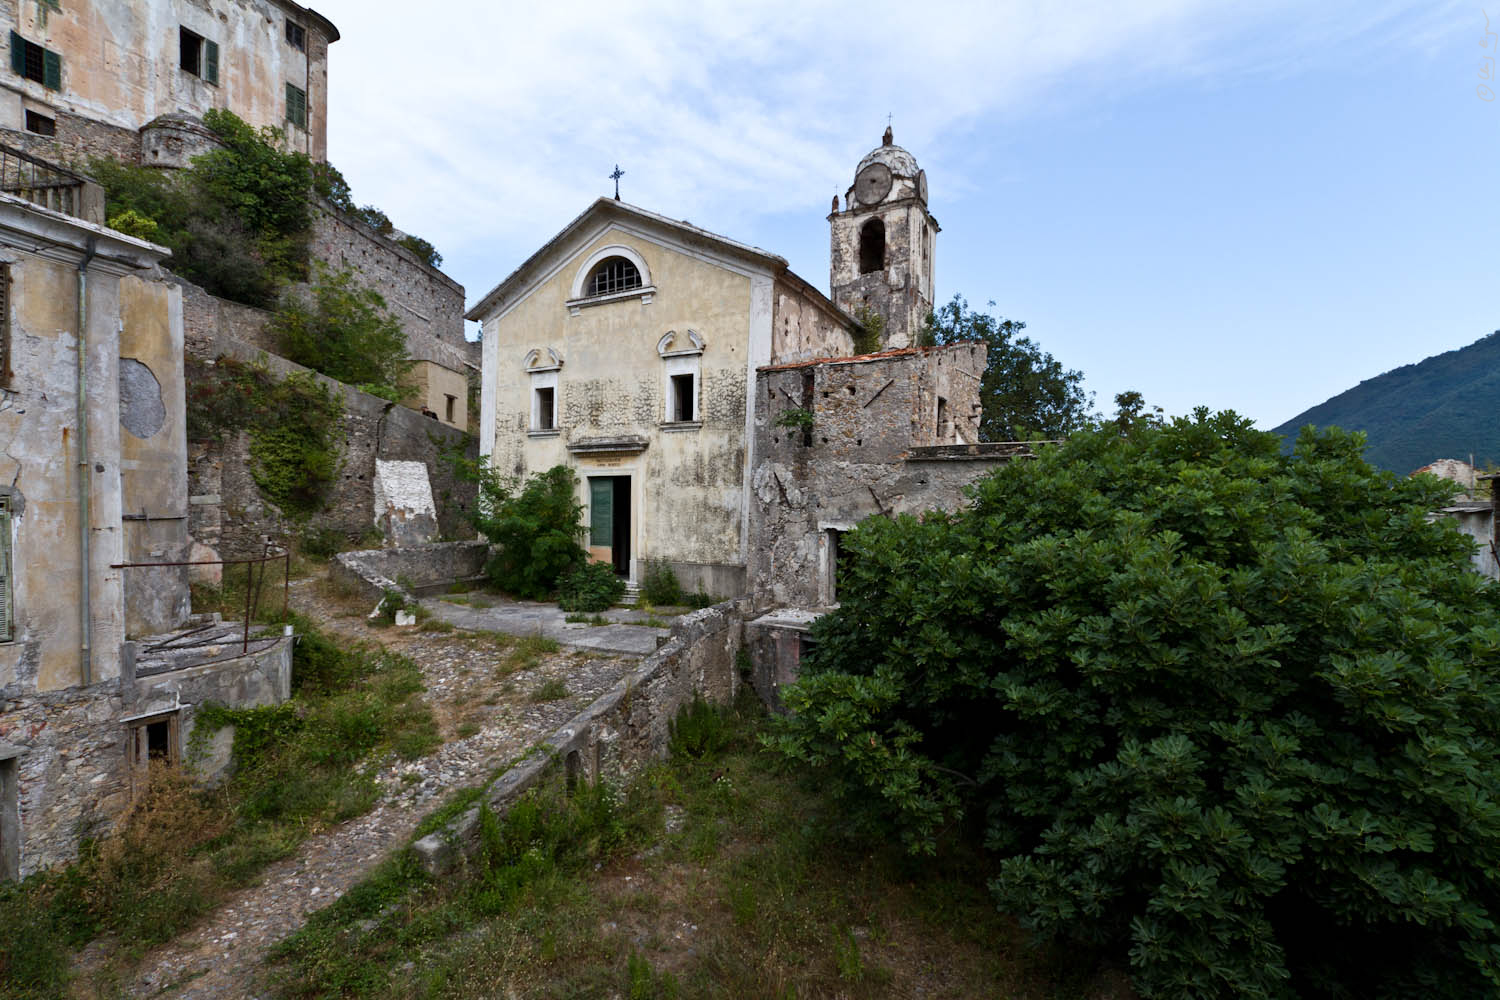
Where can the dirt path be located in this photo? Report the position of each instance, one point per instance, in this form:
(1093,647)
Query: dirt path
(480,695)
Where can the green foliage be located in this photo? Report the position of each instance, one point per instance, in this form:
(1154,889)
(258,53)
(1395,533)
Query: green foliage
(133,223)
(659,585)
(1446,406)
(346,333)
(1026,394)
(426,252)
(795,418)
(293,424)
(552,689)
(589,586)
(535,527)
(331,185)
(869,330)
(699,730)
(1231,713)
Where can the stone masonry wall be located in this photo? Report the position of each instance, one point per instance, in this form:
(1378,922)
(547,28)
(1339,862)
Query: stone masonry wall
(623,729)
(77,139)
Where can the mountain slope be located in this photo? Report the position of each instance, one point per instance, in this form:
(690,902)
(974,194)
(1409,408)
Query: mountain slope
(1444,407)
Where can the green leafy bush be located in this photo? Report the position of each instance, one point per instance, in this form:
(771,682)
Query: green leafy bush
(659,585)
(699,730)
(345,332)
(589,587)
(535,528)
(1232,714)
(133,223)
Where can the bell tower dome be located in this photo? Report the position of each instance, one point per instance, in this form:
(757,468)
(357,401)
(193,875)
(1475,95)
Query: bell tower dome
(882,244)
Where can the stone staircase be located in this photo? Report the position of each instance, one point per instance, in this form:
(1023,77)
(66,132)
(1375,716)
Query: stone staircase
(632,595)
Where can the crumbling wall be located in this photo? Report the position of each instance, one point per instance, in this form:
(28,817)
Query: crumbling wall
(427,568)
(803,327)
(624,729)
(876,446)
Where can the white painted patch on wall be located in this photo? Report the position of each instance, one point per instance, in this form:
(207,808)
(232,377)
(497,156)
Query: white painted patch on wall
(404,510)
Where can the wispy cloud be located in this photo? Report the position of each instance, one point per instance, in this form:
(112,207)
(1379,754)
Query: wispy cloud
(485,126)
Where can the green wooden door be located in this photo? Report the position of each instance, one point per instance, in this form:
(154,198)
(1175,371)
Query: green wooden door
(602,512)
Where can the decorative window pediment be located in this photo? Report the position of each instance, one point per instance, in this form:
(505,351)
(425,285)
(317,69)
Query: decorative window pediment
(536,361)
(674,344)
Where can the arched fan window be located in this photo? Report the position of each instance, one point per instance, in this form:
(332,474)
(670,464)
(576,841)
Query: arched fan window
(614,274)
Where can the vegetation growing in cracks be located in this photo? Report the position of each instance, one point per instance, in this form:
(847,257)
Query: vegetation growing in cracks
(345,331)
(293,423)
(1232,714)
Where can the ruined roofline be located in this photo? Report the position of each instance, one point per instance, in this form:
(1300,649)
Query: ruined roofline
(855,359)
(603,208)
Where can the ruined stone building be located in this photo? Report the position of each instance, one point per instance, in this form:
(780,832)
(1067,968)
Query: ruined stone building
(93,476)
(628,348)
(129,79)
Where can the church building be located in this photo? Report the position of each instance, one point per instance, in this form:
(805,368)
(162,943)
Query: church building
(627,347)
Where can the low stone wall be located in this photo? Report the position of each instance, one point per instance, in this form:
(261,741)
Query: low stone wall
(427,567)
(622,730)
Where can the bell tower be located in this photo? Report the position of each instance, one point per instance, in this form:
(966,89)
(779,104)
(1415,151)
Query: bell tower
(882,244)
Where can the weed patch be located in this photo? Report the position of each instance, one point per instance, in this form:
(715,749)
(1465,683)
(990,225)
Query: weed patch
(551,690)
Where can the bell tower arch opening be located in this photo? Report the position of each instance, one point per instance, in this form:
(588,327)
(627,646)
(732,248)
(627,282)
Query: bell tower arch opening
(872,247)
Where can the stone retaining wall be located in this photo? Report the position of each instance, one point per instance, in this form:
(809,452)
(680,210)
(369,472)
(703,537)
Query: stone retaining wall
(425,566)
(622,730)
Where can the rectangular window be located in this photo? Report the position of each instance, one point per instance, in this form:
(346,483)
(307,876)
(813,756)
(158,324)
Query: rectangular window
(942,418)
(6,375)
(546,409)
(7,612)
(10,818)
(154,741)
(197,55)
(452,406)
(682,399)
(296,36)
(32,62)
(40,124)
(296,106)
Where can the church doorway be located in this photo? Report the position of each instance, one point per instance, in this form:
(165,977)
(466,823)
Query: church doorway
(609,521)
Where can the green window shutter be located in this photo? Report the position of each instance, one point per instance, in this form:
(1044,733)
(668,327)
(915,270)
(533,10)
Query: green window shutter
(6,631)
(53,69)
(211,62)
(601,512)
(296,106)
(17,54)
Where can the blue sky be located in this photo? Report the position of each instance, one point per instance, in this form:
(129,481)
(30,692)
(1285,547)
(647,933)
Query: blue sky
(1243,206)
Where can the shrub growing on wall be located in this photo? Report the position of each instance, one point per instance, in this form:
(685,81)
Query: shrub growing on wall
(1232,714)
(536,529)
(344,331)
(293,423)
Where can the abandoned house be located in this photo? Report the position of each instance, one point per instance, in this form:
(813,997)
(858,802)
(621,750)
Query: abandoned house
(627,347)
(96,688)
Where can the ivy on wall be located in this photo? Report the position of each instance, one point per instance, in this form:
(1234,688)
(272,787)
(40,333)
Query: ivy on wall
(293,425)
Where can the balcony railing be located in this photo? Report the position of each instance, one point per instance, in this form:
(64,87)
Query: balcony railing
(50,186)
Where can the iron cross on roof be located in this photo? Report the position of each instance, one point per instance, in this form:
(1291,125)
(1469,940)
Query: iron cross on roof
(616,177)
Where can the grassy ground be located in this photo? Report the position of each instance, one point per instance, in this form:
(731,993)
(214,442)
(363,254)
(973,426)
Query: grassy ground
(716,874)
(181,849)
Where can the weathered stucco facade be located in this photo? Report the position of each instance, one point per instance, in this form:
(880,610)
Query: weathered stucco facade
(86,489)
(641,387)
(101,70)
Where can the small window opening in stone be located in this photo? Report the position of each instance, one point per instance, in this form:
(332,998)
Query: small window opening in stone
(5,372)
(154,743)
(574,766)
(805,645)
(615,274)
(452,406)
(40,124)
(682,398)
(942,417)
(851,389)
(158,741)
(872,247)
(190,46)
(546,415)
(296,36)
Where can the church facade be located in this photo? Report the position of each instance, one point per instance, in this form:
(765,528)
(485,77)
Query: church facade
(627,349)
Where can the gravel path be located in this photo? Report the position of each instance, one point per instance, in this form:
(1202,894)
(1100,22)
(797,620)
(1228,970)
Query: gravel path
(221,958)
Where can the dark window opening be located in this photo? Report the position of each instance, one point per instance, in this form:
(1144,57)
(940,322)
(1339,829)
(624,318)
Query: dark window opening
(296,36)
(197,55)
(190,44)
(452,406)
(154,742)
(5,372)
(40,124)
(614,275)
(7,616)
(296,106)
(158,740)
(10,821)
(942,417)
(32,62)
(682,398)
(546,415)
(872,247)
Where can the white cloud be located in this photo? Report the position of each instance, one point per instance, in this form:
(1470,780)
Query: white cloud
(485,126)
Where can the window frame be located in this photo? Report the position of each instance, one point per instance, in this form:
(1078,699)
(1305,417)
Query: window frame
(296,98)
(7,573)
(296,35)
(681,357)
(544,382)
(205,55)
(580,297)
(48,64)
(138,740)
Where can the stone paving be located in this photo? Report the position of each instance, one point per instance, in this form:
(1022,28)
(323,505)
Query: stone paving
(624,634)
(221,958)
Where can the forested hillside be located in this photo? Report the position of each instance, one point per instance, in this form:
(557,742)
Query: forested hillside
(1447,406)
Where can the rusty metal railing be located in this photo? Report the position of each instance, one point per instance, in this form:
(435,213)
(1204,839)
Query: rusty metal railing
(253,586)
